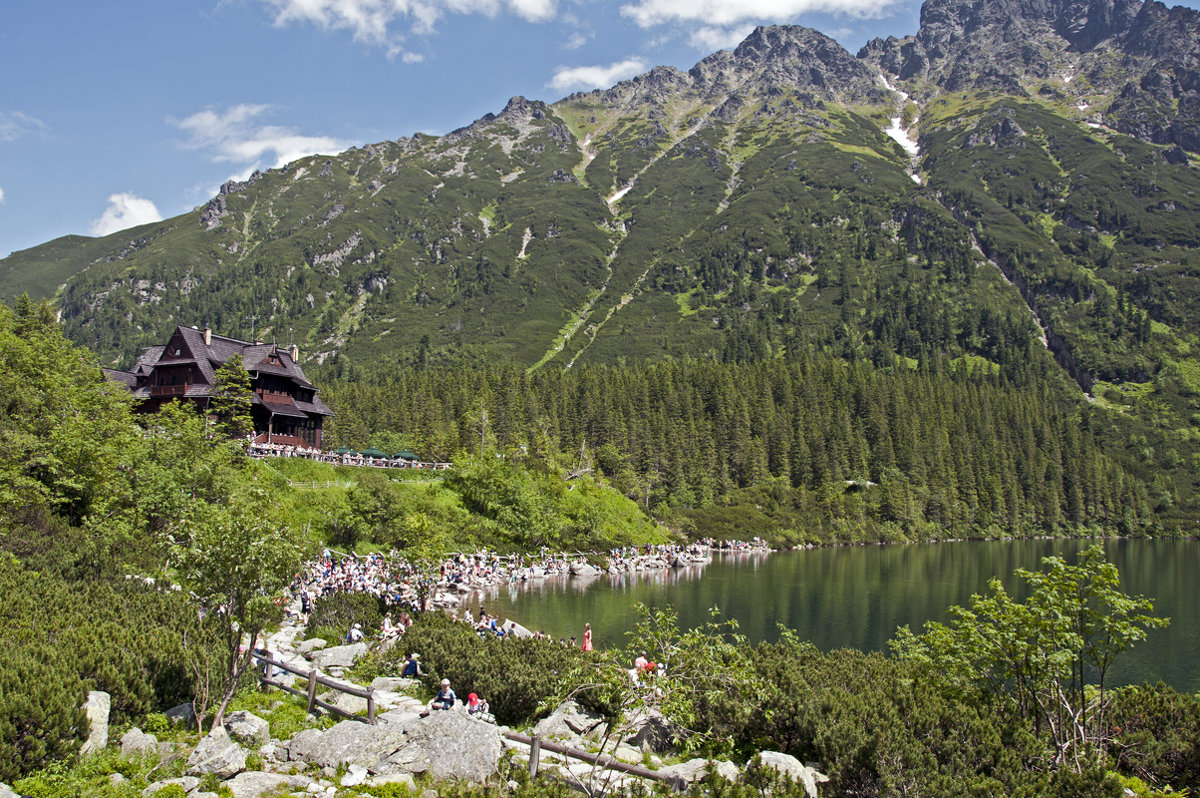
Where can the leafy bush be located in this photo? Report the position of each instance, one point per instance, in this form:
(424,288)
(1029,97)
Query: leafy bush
(333,615)
(515,675)
(1157,735)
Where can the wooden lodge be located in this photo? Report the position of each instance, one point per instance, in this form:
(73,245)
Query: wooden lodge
(285,408)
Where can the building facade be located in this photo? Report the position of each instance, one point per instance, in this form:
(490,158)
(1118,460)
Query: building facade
(286,407)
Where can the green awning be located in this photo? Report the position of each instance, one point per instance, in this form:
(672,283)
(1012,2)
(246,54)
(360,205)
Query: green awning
(405,455)
(372,453)
(344,450)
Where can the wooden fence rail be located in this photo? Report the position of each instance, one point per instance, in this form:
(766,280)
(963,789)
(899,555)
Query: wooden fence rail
(537,745)
(314,678)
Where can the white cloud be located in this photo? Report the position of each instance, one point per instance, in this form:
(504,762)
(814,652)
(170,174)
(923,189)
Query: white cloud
(723,13)
(596,77)
(124,210)
(236,135)
(370,21)
(576,40)
(1,196)
(413,58)
(15,124)
(712,39)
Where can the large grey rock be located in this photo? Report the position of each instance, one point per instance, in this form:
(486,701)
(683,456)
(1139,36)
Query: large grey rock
(794,769)
(583,569)
(395,684)
(248,728)
(312,644)
(302,743)
(97,706)
(184,713)
(188,783)
(694,769)
(338,656)
(253,784)
(217,754)
(355,775)
(567,721)
(136,741)
(348,743)
(7,792)
(653,732)
(448,746)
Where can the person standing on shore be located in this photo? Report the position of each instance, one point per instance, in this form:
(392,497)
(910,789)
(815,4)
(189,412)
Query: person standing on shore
(587,637)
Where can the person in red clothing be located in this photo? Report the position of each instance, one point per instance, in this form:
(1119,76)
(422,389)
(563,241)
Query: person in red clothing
(587,637)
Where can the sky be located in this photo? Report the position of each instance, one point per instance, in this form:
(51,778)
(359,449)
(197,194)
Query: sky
(124,112)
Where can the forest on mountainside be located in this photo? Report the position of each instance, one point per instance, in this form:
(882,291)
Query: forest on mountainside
(808,447)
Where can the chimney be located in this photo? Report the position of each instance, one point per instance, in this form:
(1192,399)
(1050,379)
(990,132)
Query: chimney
(295,353)
(207,335)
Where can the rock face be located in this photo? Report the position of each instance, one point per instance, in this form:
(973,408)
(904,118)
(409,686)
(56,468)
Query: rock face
(248,728)
(446,745)
(135,741)
(450,745)
(217,754)
(695,769)
(1016,46)
(255,784)
(795,770)
(96,706)
(339,656)
(567,721)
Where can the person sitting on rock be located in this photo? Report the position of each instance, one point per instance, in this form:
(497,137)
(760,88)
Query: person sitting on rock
(445,698)
(355,635)
(478,708)
(412,666)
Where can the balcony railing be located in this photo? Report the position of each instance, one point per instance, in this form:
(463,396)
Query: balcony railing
(169,390)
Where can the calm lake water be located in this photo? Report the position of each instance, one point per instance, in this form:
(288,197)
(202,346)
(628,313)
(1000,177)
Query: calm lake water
(858,596)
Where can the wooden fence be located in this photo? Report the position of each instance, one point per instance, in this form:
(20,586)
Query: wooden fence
(315,677)
(536,744)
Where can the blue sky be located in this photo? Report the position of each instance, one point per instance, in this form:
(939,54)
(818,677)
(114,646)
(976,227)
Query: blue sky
(113,114)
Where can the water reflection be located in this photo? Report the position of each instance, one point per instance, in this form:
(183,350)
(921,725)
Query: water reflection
(858,596)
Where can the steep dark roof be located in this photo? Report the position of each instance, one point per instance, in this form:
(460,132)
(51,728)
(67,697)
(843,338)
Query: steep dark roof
(207,358)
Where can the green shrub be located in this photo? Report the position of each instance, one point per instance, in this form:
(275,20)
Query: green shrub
(333,615)
(514,675)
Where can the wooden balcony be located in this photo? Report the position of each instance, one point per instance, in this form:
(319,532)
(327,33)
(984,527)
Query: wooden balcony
(168,390)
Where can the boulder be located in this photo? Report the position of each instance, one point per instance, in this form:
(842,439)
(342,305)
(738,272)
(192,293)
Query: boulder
(306,647)
(568,720)
(136,741)
(792,767)
(653,732)
(302,743)
(392,778)
(217,754)
(7,792)
(396,684)
(695,769)
(338,656)
(184,713)
(355,775)
(253,784)
(96,706)
(449,746)
(583,569)
(188,783)
(348,743)
(248,728)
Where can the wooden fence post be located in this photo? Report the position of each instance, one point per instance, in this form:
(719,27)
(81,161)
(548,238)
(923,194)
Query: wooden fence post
(535,752)
(371,707)
(312,689)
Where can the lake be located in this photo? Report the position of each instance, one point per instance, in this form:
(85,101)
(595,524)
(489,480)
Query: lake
(856,596)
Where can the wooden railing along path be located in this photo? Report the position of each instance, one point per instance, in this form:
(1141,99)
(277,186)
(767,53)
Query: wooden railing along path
(536,744)
(314,678)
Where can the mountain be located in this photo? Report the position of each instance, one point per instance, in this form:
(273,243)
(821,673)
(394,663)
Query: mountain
(1013,188)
